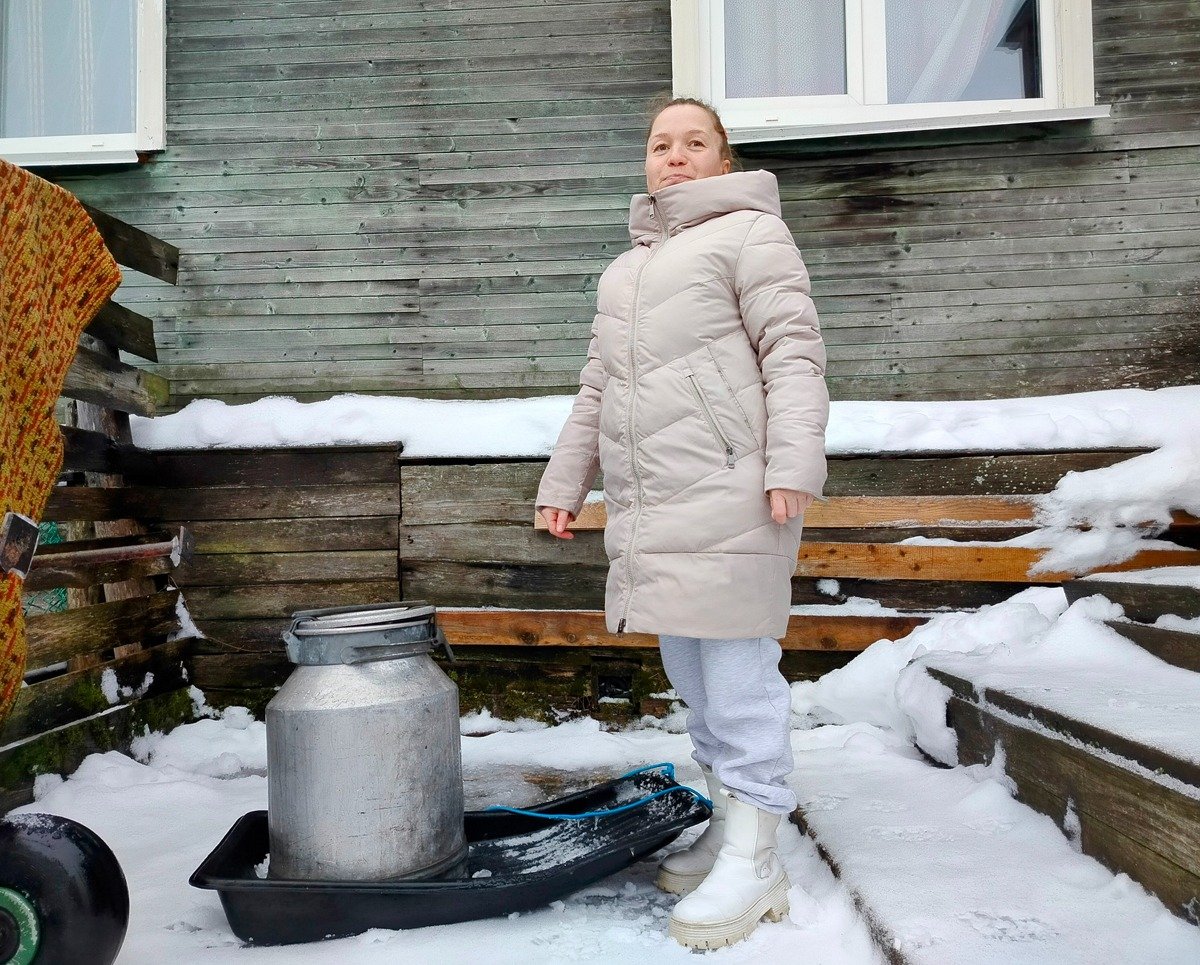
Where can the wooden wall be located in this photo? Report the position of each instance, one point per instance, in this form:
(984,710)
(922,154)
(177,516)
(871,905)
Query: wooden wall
(282,530)
(418,197)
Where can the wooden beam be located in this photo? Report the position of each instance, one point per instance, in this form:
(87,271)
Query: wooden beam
(135,248)
(55,637)
(904,512)
(125,329)
(89,451)
(1005,564)
(112,384)
(61,700)
(586,628)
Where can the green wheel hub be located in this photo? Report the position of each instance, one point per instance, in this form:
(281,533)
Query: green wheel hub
(20,931)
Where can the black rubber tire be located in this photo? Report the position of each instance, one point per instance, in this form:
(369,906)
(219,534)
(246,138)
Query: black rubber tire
(75,883)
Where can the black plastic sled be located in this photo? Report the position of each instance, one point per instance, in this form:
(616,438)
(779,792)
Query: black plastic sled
(516,862)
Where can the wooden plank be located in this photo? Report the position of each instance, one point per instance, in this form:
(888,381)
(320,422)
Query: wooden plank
(56,637)
(62,700)
(86,450)
(1144,602)
(289,466)
(907,512)
(135,248)
(82,576)
(265,502)
(1150,757)
(124,329)
(526,586)
(1177,647)
(1005,564)
(1157,844)
(558,628)
(282,599)
(296,535)
(113,384)
(263,569)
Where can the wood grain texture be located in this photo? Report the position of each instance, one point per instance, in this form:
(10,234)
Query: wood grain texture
(565,628)
(341,178)
(1129,821)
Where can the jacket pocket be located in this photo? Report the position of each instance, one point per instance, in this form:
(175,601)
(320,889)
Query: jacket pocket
(732,395)
(719,436)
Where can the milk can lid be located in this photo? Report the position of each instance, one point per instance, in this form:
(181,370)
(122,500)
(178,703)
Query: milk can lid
(363,634)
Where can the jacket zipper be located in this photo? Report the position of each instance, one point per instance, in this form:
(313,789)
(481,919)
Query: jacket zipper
(711,417)
(637,285)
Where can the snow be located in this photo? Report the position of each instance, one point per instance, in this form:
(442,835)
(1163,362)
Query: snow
(1158,576)
(163,814)
(1088,672)
(958,871)
(1121,418)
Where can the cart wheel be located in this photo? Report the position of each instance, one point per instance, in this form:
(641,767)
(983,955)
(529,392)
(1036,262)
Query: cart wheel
(19,930)
(63,896)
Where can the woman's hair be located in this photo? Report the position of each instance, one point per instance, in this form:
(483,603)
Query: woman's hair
(663,101)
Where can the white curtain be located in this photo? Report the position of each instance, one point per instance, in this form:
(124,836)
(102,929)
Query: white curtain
(785,48)
(67,67)
(938,48)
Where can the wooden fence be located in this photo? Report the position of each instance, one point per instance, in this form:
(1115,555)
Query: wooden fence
(106,653)
(284,529)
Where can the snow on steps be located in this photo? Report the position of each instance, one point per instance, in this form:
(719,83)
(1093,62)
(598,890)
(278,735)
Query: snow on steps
(1144,605)
(946,867)
(1129,803)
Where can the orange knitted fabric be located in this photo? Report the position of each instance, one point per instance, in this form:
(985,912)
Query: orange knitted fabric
(55,274)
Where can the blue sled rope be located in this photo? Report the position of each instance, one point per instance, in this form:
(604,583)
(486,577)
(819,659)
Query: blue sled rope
(666,766)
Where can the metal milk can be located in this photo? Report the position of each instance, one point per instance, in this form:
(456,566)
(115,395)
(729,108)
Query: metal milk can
(364,767)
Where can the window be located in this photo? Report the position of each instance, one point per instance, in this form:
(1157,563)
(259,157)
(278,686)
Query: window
(81,81)
(806,68)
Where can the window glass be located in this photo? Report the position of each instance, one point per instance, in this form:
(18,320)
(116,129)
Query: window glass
(67,67)
(784,48)
(961,50)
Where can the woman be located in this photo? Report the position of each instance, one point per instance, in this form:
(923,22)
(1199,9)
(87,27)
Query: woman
(703,400)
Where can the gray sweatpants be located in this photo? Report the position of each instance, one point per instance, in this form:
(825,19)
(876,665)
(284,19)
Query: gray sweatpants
(740,713)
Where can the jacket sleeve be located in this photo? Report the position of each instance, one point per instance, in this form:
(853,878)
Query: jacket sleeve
(576,458)
(772,287)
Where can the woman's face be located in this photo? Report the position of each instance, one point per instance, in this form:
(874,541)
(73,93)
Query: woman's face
(683,146)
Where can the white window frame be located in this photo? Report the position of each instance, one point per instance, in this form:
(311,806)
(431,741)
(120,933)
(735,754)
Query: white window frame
(150,110)
(698,70)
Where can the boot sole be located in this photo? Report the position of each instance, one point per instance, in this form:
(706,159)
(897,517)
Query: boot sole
(674,883)
(773,906)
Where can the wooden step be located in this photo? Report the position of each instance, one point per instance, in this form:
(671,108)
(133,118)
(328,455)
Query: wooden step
(1177,647)
(1144,602)
(586,628)
(1135,802)
(947,868)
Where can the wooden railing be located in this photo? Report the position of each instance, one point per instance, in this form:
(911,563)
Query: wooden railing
(113,659)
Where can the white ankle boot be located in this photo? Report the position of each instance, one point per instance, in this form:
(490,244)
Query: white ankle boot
(682,871)
(746,882)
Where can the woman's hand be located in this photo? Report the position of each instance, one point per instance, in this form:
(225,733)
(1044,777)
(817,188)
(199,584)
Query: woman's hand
(557,520)
(787,503)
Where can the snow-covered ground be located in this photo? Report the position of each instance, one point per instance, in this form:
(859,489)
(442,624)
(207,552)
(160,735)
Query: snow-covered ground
(164,811)
(165,808)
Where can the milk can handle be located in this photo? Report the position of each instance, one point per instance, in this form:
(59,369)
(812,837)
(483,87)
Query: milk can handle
(353,655)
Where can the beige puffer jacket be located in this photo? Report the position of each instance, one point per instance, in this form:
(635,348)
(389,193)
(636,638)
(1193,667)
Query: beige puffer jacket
(704,388)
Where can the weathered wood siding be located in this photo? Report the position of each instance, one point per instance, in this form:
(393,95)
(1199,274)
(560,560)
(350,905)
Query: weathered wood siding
(418,196)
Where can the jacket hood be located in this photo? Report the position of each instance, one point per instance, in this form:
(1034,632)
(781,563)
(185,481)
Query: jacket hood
(693,202)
